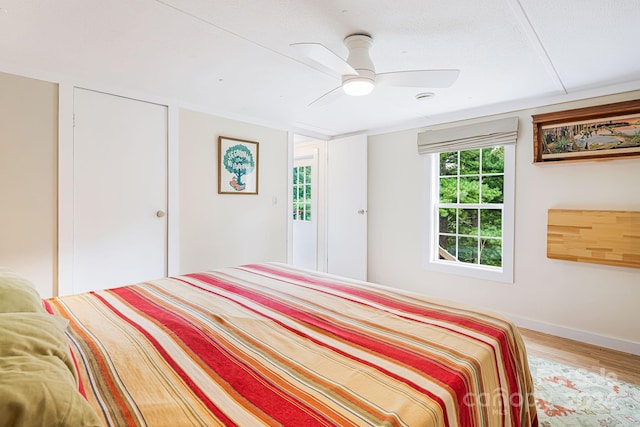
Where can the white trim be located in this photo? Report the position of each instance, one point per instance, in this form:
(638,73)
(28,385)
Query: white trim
(430,259)
(65,189)
(576,334)
(323,208)
(320,189)
(509,213)
(173,192)
(290,154)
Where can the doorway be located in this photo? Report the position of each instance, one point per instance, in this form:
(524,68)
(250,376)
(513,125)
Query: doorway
(329,209)
(308,213)
(305,208)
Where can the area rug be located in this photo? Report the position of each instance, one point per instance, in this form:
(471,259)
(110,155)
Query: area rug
(568,396)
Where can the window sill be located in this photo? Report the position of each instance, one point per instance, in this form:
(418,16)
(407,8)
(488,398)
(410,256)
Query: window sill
(468,270)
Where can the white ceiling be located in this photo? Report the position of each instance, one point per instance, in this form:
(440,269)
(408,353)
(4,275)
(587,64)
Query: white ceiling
(233,58)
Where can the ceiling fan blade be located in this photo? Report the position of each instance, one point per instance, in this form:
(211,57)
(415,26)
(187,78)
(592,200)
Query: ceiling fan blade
(419,78)
(322,56)
(327,98)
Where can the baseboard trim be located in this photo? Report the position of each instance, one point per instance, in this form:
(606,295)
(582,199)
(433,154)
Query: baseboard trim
(577,334)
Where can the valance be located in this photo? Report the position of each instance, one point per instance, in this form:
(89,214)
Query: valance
(469,137)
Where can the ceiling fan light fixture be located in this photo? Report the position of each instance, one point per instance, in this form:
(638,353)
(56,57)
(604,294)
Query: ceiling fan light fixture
(359,75)
(358,86)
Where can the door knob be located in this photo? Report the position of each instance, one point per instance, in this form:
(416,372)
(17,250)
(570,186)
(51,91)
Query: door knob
(362,211)
(160,214)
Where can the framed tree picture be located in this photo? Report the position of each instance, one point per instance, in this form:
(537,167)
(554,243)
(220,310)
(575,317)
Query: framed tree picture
(237,166)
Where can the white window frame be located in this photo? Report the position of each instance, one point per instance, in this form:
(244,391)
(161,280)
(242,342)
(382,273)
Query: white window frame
(431,259)
(303,163)
(308,158)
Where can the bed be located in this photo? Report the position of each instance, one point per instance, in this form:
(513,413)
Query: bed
(270,344)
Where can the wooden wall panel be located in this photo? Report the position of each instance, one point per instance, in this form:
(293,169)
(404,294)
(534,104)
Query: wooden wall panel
(600,237)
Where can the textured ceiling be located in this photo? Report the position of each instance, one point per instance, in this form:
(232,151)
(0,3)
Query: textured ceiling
(232,58)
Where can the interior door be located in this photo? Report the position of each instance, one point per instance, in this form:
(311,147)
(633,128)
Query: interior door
(120,191)
(347,206)
(305,208)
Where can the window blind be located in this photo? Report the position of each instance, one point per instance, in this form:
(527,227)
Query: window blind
(469,137)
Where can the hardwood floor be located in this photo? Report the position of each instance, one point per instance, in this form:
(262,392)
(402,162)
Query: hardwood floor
(623,366)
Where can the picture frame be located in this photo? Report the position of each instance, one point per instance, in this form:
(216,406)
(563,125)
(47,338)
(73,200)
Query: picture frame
(609,131)
(238,162)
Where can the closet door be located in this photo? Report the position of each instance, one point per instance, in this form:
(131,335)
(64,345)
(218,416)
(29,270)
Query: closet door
(347,207)
(120,191)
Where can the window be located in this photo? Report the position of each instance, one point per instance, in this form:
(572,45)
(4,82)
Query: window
(471,212)
(302,193)
(470,208)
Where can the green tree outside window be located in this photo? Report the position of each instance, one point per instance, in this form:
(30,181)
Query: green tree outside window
(471,194)
(302,193)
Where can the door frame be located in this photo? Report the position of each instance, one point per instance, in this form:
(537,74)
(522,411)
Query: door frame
(65,182)
(308,156)
(323,194)
(321,190)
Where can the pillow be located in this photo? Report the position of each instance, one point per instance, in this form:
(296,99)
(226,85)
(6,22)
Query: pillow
(38,381)
(17,294)
(40,391)
(38,334)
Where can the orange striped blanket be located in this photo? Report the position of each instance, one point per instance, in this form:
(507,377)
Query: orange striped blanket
(268,344)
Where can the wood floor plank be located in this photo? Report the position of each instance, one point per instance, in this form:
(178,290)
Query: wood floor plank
(604,361)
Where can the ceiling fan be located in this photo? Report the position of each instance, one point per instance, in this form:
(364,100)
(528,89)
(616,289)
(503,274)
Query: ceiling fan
(358,72)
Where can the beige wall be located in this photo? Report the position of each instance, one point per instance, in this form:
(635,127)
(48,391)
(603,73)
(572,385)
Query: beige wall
(559,296)
(219,230)
(28,179)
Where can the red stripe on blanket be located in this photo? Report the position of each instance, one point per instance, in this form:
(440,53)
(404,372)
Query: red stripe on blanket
(157,312)
(239,375)
(498,334)
(440,373)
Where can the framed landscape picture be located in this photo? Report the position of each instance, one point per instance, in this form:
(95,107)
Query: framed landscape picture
(601,132)
(237,166)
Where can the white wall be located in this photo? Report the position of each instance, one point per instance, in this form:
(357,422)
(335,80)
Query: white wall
(218,230)
(28,179)
(594,303)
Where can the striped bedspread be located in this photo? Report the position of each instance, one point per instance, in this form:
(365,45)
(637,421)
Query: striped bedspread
(268,344)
